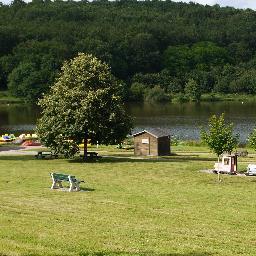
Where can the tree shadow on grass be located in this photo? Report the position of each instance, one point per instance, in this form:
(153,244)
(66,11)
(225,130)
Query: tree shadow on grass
(114,159)
(17,158)
(86,189)
(117,159)
(24,158)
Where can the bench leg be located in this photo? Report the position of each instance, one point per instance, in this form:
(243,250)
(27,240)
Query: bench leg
(54,184)
(60,184)
(77,186)
(72,186)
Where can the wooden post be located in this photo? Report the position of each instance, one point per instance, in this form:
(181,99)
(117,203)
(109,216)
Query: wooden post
(85,146)
(219,169)
(236,170)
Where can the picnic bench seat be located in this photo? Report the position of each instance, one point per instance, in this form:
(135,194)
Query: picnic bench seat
(92,155)
(58,178)
(45,154)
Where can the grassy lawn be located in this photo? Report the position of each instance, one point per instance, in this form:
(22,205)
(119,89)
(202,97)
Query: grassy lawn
(148,206)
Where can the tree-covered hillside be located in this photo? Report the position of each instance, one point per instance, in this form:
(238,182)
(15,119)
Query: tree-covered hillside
(155,47)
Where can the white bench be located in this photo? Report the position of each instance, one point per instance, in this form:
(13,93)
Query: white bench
(58,178)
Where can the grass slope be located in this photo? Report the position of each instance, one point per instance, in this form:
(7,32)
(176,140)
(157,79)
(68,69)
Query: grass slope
(132,207)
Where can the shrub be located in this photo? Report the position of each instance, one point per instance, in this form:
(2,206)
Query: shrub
(193,90)
(156,94)
(137,91)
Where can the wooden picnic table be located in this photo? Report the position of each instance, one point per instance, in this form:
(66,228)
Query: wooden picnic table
(91,155)
(44,154)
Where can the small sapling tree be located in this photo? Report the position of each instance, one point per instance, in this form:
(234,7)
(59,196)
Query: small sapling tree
(83,103)
(219,136)
(252,139)
(193,90)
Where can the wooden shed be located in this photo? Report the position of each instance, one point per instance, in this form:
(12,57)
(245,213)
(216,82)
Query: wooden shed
(152,142)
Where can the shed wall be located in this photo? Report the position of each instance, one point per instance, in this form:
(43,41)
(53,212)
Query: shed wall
(164,148)
(143,149)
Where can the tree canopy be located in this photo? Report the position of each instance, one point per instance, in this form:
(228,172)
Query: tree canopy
(84,102)
(220,136)
(168,42)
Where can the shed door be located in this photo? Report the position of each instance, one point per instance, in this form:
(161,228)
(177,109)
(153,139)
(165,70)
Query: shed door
(145,148)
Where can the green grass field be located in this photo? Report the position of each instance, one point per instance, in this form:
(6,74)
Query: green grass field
(138,207)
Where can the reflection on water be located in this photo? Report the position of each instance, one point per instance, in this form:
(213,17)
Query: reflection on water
(185,120)
(182,120)
(18,118)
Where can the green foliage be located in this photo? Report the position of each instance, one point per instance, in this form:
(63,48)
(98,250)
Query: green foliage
(208,54)
(153,87)
(156,94)
(149,80)
(181,97)
(96,47)
(137,91)
(143,54)
(175,141)
(220,136)
(193,90)
(165,42)
(83,103)
(246,82)
(34,68)
(178,59)
(29,81)
(252,139)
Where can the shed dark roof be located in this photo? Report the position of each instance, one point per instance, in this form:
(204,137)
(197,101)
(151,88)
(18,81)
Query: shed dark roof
(156,132)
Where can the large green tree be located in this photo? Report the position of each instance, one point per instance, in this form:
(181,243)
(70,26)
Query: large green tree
(83,103)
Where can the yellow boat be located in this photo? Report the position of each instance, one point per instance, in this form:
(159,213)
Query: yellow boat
(5,138)
(88,144)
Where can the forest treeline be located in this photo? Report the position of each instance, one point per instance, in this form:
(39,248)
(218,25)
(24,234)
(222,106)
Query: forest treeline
(156,48)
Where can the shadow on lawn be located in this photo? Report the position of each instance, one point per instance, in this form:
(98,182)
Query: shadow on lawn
(116,159)
(145,254)
(85,189)
(17,158)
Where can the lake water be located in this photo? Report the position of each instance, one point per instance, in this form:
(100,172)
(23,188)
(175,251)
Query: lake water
(182,120)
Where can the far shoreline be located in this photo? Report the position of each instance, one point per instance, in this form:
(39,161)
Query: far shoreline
(5,98)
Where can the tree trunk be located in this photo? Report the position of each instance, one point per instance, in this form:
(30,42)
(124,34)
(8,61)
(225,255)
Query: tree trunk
(219,169)
(85,147)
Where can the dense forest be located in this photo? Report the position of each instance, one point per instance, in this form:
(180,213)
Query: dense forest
(156,48)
